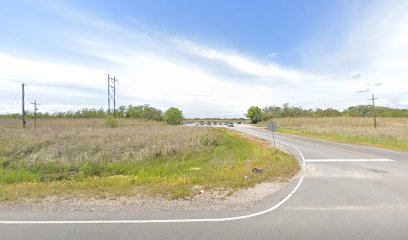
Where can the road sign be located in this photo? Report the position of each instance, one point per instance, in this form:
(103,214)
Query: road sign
(272,126)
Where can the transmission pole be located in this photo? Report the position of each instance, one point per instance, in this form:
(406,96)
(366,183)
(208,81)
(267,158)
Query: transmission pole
(374,113)
(114,96)
(108,94)
(35,112)
(112,93)
(22,106)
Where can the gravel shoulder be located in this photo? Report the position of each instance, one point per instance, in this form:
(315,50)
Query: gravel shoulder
(214,200)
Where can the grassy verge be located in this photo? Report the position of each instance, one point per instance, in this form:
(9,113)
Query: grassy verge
(391,133)
(345,137)
(171,162)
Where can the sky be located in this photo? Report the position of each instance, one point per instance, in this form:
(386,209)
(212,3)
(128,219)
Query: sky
(210,58)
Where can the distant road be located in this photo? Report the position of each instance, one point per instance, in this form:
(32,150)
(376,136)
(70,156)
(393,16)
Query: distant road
(346,192)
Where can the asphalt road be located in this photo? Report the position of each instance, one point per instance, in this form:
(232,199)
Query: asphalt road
(345,192)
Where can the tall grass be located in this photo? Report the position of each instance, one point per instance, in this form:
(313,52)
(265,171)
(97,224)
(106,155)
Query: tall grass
(87,158)
(390,132)
(67,145)
(75,122)
(341,122)
(111,122)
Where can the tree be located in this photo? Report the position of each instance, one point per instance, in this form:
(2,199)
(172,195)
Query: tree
(121,112)
(144,112)
(329,112)
(173,116)
(271,111)
(254,114)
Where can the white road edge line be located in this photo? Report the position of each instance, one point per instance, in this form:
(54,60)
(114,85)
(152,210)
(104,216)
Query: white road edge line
(174,220)
(348,160)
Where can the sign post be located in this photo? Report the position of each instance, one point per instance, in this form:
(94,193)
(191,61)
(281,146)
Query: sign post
(273,126)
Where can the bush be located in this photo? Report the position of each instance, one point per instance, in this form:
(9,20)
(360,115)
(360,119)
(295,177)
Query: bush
(173,116)
(111,122)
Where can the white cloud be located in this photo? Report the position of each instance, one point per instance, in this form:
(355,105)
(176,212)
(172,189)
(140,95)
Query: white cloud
(205,81)
(20,69)
(374,44)
(162,81)
(242,63)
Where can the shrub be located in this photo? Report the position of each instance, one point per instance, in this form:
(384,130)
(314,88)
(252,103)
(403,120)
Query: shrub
(112,122)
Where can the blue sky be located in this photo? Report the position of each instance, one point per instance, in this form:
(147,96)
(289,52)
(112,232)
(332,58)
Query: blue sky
(210,58)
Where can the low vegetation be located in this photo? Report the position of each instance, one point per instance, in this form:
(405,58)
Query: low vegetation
(111,122)
(84,157)
(144,112)
(354,111)
(390,132)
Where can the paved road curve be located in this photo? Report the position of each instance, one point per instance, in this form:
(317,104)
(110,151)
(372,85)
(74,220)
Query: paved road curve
(348,192)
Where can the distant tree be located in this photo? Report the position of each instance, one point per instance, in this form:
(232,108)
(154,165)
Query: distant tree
(254,114)
(271,111)
(151,113)
(329,112)
(121,112)
(358,111)
(173,116)
(144,112)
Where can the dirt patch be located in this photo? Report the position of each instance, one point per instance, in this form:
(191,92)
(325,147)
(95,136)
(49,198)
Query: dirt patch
(214,200)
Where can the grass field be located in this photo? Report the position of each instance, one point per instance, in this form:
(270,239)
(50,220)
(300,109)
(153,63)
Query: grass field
(390,132)
(83,157)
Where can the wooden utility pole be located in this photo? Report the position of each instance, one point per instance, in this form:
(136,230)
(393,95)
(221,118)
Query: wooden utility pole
(22,106)
(35,112)
(374,112)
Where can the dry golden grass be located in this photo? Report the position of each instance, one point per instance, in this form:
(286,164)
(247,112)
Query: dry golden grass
(390,132)
(74,122)
(84,157)
(78,140)
(351,122)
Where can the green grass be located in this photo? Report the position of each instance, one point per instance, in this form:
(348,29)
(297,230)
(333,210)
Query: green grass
(377,140)
(222,159)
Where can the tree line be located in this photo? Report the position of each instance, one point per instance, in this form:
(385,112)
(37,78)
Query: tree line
(172,115)
(257,114)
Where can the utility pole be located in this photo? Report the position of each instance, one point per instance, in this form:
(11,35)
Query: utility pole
(112,93)
(374,113)
(35,112)
(108,94)
(114,96)
(22,106)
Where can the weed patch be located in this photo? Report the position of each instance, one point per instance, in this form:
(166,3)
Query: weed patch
(154,160)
